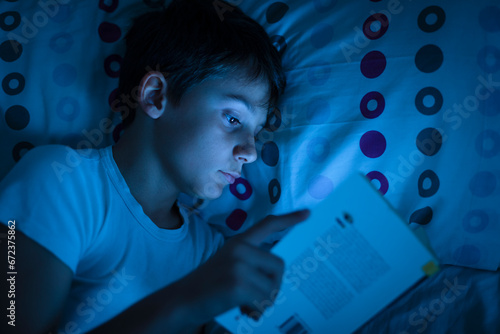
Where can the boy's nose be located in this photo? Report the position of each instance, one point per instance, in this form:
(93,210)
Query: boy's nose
(246,152)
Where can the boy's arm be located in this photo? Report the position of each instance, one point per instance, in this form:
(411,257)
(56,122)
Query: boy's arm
(238,275)
(38,289)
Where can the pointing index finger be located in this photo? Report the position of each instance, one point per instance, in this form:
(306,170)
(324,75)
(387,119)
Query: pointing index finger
(256,234)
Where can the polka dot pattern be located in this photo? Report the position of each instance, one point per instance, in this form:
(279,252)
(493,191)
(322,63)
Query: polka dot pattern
(373,64)
(320,187)
(236,219)
(489,18)
(373,144)
(407,136)
(367,102)
(429,141)
(429,58)
(109,32)
(383,183)
(17,117)
(9,20)
(61,42)
(276,11)
(270,153)
(10,51)
(13,83)
(483,184)
(241,189)
(20,149)
(422,216)
(429,108)
(475,221)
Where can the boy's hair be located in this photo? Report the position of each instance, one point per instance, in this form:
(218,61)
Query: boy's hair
(194,40)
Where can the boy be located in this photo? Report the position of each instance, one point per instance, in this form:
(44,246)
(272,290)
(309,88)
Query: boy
(106,247)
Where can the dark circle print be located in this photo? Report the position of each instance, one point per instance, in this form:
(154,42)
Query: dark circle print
(234,189)
(279,42)
(109,32)
(270,153)
(273,120)
(10,50)
(17,117)
(372,96)
(318,149)
(488,58)
(488,143)
(276,11)
(373,144)
(384,184)
(438,100)
(429,141)
(20,149)
(384,25)
(154,3)
(483,184)
(13,89)
(489,18)
(4,23)
(373,64)
(429,58)
(107,65)
(274,189)
(236,219)
(425,190)
(61,42)
(108,8)
(475,221)
(422,216)
(435,10)
(68,108)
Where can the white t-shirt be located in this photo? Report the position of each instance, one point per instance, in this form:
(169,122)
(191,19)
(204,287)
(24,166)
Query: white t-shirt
(78,206)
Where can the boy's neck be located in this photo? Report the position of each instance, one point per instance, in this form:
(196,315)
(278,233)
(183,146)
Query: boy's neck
(147,183)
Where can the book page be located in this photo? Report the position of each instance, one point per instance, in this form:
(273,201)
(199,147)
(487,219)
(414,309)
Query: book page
(351,258)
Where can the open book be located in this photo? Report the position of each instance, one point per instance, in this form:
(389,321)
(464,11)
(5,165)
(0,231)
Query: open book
(350,259)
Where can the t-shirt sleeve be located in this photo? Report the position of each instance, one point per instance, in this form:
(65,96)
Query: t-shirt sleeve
(45,195)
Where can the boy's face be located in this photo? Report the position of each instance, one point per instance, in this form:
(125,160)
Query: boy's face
(210,133)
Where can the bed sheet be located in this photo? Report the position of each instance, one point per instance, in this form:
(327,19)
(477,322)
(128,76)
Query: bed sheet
(456,300)
(406,92)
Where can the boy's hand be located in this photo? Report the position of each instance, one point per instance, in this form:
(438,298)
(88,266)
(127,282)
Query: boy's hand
(241,273)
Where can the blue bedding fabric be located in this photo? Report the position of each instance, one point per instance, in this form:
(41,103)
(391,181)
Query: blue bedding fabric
(405,92)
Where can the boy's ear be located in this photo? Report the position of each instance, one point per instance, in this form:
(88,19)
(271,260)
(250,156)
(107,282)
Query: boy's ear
(152,94)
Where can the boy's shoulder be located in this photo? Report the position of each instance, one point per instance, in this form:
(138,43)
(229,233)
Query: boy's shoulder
(53,162)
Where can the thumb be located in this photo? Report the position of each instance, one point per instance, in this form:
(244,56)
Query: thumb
(256,234)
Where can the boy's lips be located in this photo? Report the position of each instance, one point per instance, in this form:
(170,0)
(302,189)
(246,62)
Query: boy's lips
(231,177)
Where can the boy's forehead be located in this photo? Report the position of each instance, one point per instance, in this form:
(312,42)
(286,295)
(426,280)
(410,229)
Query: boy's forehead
(254,93)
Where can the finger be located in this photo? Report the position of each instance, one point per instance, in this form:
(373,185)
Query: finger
(263,260)
(263,294)
(256,234)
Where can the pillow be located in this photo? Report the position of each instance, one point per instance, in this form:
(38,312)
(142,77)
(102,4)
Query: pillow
(405,92)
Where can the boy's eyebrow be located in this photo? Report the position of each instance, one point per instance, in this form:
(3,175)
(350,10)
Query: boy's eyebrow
(248,105)
(242,99)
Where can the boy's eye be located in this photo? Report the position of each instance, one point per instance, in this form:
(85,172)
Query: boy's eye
(232,120)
